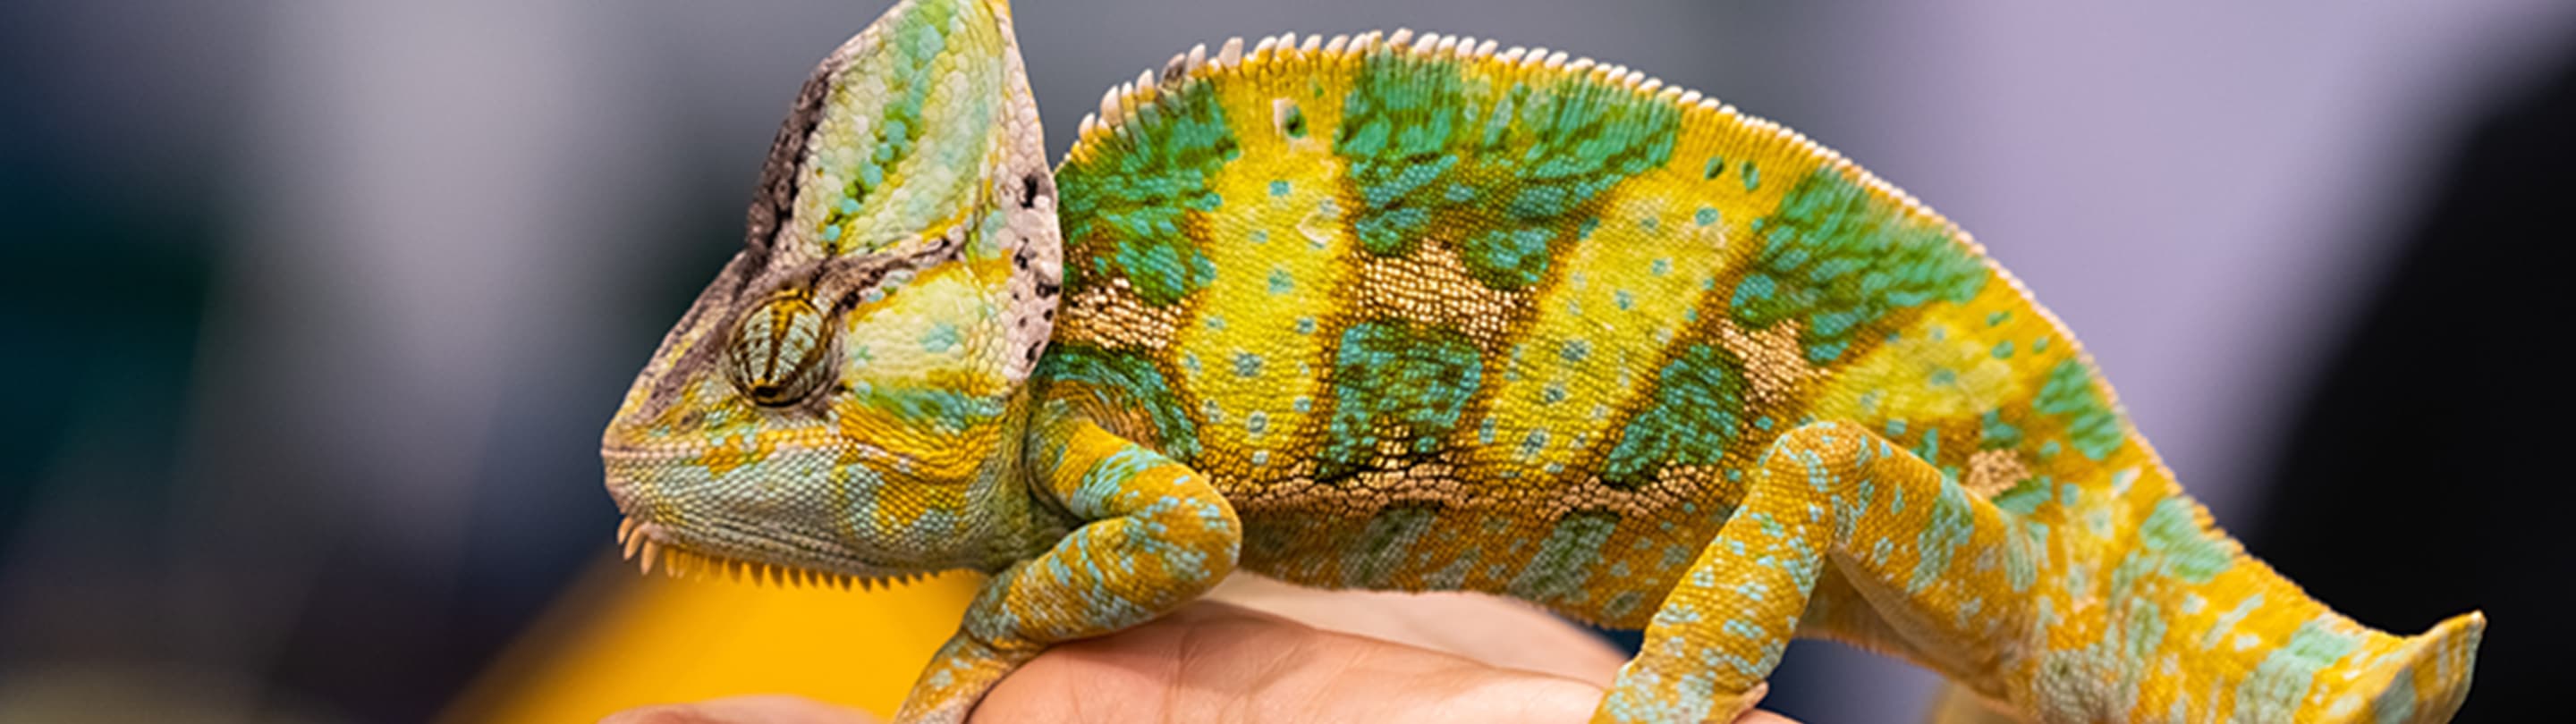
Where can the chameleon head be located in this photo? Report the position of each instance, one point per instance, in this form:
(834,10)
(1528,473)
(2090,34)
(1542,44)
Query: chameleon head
(844,393)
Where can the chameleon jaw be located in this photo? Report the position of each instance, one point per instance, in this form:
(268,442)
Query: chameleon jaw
(681,560)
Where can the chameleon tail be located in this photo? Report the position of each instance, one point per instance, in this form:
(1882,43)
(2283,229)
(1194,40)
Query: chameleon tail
(2208,633)
(2422,678)
(2429,676)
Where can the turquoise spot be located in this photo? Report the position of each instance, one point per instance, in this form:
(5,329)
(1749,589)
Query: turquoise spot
(1425,142)
(1994,433)
(1624,300)
(1130,213)
(1574,350)
(2024,497)
(2396,703)
(832,233)
(1278,187)
(2226,622)
(1305,325)
(1374,559)
(1997,318)
(1706,216)
(1843,260)
(1109,477)
(942,337)
(1247,364)
(2180,547)
(1565,560)
(1694,412)
(1945,529)
(1395,382)
(1120,379)
(1716,165)
(2145,629)
(946,408)
(1280,282)
(1660,267)
(2003,349)
(1508,258)
(2277,685)
(1752,178)
(2069,393)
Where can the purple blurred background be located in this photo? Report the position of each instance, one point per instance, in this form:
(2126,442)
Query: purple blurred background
(312,311)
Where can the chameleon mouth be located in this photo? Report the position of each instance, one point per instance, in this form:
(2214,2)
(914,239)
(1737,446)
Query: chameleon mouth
(679,561)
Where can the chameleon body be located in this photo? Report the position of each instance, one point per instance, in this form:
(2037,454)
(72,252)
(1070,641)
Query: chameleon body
(1401,312)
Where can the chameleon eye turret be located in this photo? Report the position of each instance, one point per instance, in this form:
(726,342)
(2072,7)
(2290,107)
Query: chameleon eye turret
(778,352)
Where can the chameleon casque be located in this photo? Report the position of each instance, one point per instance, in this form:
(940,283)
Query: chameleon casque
(1405,312)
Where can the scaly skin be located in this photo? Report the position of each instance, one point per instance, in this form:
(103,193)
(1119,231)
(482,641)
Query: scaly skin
(1407,313)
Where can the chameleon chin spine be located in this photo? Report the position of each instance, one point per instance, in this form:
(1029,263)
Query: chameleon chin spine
(678,562)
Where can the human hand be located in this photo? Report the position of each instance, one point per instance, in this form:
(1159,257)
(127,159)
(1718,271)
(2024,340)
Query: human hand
(1427,658)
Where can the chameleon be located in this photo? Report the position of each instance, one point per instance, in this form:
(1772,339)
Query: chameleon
(1409,312)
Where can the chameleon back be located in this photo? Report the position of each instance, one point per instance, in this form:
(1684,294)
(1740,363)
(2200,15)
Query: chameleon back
(1523,326)
(1434,317)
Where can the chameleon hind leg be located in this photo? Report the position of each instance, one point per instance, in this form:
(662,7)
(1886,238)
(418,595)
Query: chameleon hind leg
(2132,610)
(1157,536)
(1912,545)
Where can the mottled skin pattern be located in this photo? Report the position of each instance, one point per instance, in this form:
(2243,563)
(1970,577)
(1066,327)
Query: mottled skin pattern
(1410,313)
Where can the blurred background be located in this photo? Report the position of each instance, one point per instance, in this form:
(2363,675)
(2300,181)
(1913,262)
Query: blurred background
(312,311)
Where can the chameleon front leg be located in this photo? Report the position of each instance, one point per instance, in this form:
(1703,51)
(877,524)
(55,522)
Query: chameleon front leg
(1157,536)
(1825,494)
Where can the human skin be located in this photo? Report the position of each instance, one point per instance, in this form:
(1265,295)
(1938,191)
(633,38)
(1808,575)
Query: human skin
(1262,651)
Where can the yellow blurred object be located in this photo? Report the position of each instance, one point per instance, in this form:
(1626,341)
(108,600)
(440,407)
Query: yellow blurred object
(620,640)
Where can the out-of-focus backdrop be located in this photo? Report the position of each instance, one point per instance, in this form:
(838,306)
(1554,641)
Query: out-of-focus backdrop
(311,312)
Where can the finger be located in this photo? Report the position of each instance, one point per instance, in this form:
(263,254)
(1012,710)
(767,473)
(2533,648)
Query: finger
(772,709)
(1450,622)
(1213,662)
(1758,716)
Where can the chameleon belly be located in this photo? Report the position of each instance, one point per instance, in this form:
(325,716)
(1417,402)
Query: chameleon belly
(1458,321)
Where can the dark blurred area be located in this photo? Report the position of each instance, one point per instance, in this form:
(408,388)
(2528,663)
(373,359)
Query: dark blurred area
(2421,478)
(311,312)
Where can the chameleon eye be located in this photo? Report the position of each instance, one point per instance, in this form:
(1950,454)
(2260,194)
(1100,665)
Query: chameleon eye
(778,350)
